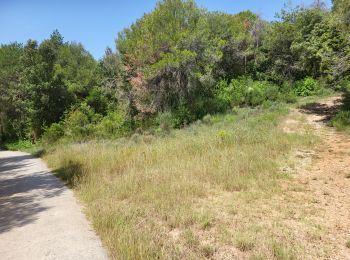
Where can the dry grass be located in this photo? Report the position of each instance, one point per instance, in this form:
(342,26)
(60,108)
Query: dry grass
(207,191)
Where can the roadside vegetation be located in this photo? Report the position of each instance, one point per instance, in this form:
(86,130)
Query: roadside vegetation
(194,193)
(174,142)
(341,120)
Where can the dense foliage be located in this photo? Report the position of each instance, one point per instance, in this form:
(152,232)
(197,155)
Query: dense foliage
(172,66)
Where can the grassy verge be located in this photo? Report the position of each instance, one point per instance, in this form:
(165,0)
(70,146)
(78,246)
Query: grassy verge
(25,146)
(341,121)
(211,190)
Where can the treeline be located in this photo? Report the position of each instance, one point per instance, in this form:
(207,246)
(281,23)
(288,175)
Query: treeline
(172,66)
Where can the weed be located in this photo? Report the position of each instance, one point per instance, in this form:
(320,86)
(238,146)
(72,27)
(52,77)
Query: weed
(190,239)
(244,243)
(207,251)
(282,252)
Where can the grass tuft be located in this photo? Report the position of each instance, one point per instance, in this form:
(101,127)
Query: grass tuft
(282,252)
(244,243)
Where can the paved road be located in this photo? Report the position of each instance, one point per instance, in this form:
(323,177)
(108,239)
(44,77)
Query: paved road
(39,217)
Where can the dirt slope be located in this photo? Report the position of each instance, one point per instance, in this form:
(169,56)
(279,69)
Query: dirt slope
(39,216)
(325,173)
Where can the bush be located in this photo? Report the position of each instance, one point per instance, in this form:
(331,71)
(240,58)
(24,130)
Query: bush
(223,95)
(19,145)
(53,133)
(239,89)
(97,101)
(245,91)
(207,120)
(307,87)
(80,122)
(343,85)
(166,121)
(261,91)
(183,115)
(112,125)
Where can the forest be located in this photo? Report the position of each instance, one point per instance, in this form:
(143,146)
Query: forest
(172,67)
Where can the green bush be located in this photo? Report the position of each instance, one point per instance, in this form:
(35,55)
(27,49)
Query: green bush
(223,95)
(112,125)
(183,115)
(80,122)
(166,121)
(207,119)
(20,145)
(307,87)
(245,91)
(97,101)
(261,91)
(53,133)
(239,89)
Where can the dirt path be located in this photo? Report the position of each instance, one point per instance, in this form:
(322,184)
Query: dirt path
(325,173)
(39,216)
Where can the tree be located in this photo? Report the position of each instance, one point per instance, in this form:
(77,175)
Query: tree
(161,54)
(13,112)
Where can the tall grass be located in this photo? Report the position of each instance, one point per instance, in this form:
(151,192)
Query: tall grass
(341,121)
(147,196)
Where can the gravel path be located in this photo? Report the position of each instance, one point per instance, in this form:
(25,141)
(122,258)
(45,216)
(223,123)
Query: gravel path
(39,217)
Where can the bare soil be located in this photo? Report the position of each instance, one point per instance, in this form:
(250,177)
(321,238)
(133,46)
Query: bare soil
(324,173)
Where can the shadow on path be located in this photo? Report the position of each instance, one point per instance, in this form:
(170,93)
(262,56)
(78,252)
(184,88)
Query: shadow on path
(326,111)
(23,186)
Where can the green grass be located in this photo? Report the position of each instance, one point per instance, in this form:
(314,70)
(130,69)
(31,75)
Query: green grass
(282,252)
(25,146)
(19,145)
(244,243)
(165,197)
(341,121)
(301,101)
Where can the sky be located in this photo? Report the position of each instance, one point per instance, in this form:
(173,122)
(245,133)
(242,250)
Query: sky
(96,23)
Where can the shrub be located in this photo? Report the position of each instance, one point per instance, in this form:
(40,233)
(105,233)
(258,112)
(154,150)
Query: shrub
(254,96)
(97,100)
(112,125)
(239,89)
(343,85)
(223,95)
(183,115)
(53,133)
(307,87)
(19,145)
(80,122)
(166,121)
(245,91)
(289,97)
(207,119)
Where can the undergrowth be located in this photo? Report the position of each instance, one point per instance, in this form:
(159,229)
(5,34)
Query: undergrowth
(341,121)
